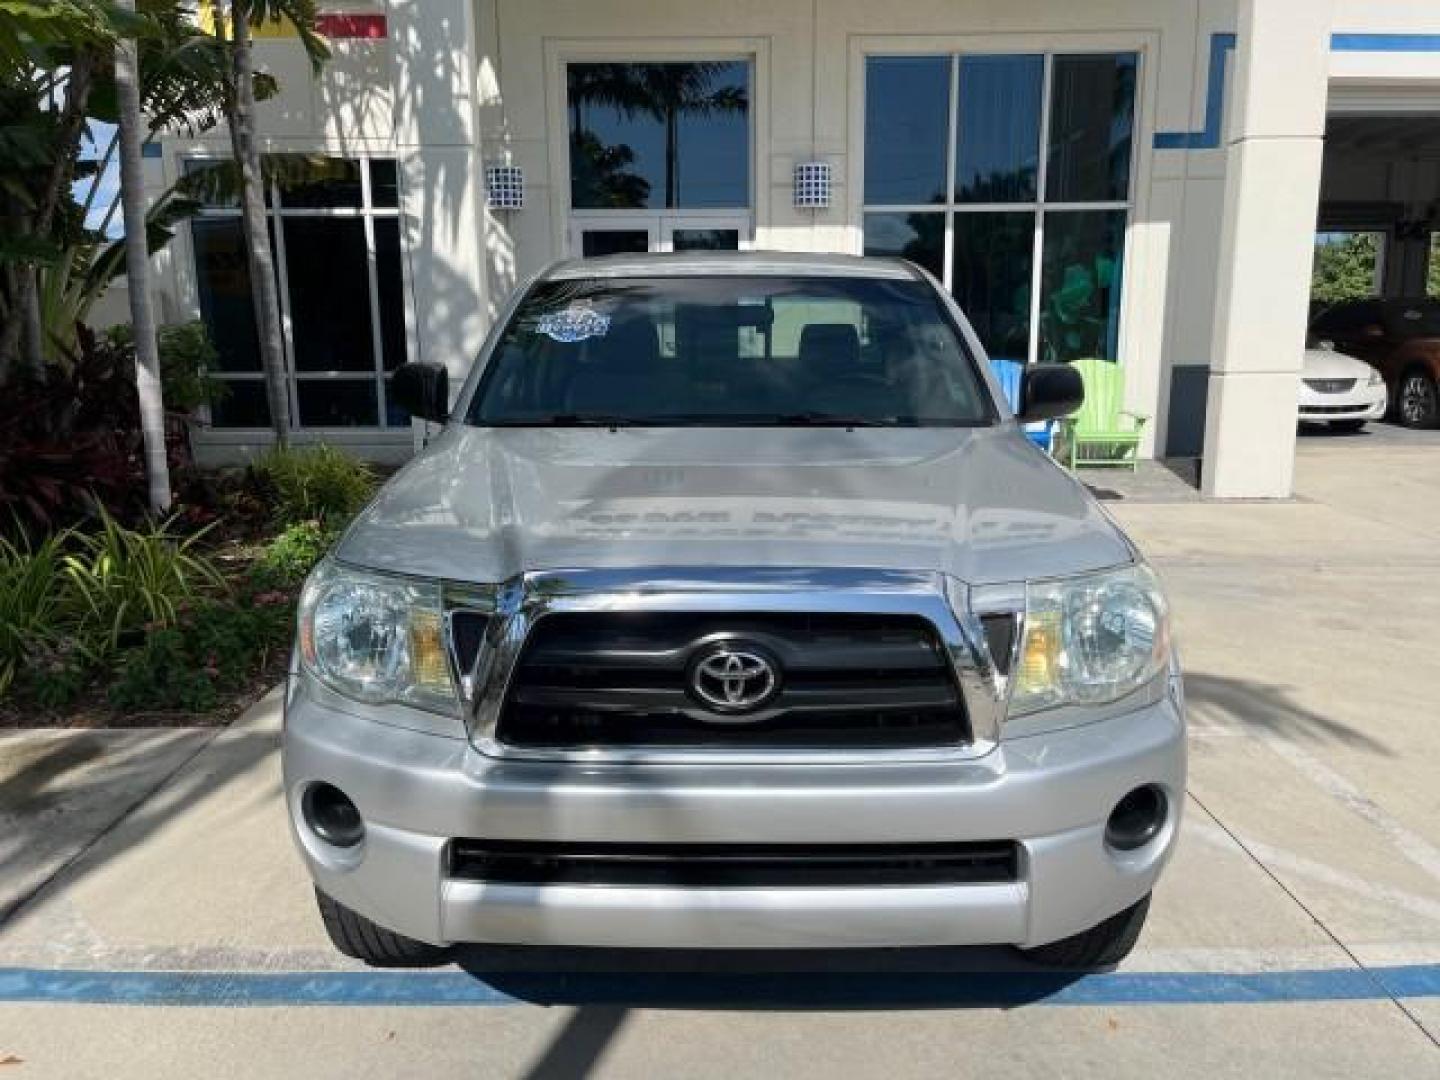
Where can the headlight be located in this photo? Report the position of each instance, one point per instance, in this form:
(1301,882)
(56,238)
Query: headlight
(1375,378)
(376,638)
(1090,640)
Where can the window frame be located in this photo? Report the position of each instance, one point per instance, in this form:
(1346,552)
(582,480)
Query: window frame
(562,52)
(368,212)
(865,50)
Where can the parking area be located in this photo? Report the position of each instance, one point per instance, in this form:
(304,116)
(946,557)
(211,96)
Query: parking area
(155,922)
(1385,433)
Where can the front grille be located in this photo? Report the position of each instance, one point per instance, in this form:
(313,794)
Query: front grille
(623,679)
(1330,386)
(525,862)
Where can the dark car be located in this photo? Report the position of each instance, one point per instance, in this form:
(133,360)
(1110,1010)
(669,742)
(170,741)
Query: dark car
(1401,339)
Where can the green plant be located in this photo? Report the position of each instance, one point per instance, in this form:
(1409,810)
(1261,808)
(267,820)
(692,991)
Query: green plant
(291,555)
(54,674)
(32,606)
(1345,266)
(214,649)
(186,359)
(312,483)
(158,675)
(126,580)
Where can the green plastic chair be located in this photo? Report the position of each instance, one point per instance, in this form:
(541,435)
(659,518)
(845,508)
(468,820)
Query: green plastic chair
(1103,432)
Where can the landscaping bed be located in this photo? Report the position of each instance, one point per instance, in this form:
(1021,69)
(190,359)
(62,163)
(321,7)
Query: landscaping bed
(175,623)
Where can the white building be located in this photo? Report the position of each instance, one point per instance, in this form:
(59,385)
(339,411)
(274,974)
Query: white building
(1134,179)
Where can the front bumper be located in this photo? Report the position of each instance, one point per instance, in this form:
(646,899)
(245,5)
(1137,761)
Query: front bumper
(1052,793)
(1365,402)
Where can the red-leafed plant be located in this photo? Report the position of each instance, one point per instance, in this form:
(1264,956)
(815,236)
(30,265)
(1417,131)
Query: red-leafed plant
(69,439)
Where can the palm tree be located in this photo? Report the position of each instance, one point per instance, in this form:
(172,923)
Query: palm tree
(137,264)
(240,113)
(49,56)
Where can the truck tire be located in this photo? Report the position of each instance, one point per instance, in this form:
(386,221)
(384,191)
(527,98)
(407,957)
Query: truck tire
(354,935)
(1101,946)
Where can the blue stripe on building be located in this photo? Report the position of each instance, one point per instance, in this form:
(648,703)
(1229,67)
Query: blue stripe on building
(1208,138)
(1222,44)
(1385,42)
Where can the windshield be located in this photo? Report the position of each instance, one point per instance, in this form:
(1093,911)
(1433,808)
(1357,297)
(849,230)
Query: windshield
(730,350)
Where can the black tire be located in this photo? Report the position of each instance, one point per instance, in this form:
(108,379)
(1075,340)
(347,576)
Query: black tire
(354,935)
(1417,404)
(1100,946)
(1350,426)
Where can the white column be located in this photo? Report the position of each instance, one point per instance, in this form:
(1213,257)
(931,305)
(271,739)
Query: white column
(1272,188)
(442,184)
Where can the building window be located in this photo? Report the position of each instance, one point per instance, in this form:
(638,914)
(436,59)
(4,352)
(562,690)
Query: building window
(335,231)
(976,164)
(659,136)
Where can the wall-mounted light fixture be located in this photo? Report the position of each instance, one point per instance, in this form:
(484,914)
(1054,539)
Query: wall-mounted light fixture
(812,184)
(505,187)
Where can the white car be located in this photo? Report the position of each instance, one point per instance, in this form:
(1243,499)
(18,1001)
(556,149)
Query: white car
(1339,390)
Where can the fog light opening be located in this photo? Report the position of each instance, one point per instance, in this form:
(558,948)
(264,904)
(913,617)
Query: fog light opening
(332,816)
(1137,818)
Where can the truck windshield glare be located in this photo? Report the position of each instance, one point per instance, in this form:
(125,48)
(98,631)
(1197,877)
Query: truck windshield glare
(730,351)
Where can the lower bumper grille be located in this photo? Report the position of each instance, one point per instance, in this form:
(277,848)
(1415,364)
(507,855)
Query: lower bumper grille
(847,681)
(1331,410)
(523,862)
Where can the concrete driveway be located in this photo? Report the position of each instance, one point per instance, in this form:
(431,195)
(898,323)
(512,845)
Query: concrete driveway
(1297,933)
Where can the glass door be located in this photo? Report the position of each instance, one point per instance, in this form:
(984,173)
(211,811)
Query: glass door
(592,238)
(698,233)
(624,233)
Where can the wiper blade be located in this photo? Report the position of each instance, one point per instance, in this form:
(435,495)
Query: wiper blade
(568,420)
(822,419)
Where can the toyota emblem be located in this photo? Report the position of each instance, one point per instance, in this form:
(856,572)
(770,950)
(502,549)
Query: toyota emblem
(734,679)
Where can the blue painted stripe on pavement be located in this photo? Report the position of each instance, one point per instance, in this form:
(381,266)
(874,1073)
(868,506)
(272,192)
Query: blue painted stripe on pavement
(1385,42)
(690,989)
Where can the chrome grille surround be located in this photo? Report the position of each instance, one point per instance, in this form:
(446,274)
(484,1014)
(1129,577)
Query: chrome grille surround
(516,605)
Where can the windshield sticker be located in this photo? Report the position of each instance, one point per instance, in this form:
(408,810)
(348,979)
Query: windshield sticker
(575,323)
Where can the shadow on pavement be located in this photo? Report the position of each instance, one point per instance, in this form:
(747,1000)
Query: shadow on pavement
(28,784)
(782,979)
(576,1050)
(1258,704)
(212,767)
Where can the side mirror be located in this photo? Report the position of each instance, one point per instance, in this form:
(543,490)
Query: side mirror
(422,390)
(1050,391)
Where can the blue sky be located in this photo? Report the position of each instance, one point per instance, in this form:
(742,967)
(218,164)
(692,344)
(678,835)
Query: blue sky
(108,181)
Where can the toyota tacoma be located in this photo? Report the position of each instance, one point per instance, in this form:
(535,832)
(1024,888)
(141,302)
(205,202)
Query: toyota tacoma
(730,607)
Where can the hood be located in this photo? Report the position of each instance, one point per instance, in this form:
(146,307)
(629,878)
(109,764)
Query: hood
(1328,364)
(485,504)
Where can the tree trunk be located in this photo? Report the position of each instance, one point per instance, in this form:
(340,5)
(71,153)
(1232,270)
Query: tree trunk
(57,182)
(672,159)
(34,335)
(257,237)
(137,270)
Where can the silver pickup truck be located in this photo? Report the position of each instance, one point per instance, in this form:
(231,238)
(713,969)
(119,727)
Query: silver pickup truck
(732,608)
